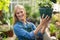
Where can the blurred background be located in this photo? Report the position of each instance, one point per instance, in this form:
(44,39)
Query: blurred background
(33,15)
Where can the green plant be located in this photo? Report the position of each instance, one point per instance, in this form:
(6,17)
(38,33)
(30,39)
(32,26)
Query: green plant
(28,10)
(4,8)
(11,20)
(32,16)
(58,35)
(55,18)
(5,18)
(35,17)
(52,28)
(4,5)
(45,7)
(45,3)
(16,39)
(54,1)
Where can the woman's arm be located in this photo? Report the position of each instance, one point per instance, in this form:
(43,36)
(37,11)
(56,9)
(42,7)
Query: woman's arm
(44,27)
(43,22)
(30,35)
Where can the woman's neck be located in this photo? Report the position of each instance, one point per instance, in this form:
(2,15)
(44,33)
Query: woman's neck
(23,21)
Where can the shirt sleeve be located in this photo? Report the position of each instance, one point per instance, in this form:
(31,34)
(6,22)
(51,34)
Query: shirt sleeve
(39,33)
(21,32)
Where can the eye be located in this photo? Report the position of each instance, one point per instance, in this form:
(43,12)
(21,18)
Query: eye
(21,11)
(17,12)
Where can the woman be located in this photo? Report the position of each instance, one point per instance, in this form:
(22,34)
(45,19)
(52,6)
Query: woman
(25,30)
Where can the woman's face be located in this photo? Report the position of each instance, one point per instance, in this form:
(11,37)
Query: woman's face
(20,14)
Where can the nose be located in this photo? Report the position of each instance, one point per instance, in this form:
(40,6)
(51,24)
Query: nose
(20,14)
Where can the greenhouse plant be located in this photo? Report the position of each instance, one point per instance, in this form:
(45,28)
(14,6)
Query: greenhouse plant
(45,7)
(4,18)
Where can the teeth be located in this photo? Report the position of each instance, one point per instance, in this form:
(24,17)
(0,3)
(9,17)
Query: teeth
(20,16)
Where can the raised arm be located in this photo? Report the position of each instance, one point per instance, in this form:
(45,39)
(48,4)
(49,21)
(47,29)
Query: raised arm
(20,32)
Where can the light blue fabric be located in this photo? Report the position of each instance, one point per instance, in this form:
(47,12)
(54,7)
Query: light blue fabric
(25,31)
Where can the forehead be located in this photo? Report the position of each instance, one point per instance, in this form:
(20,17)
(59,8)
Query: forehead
(19,8)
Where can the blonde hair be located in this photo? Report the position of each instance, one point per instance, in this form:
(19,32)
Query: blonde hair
(15,8)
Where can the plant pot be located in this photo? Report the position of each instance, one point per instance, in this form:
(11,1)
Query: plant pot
(52,34)
(58,38)
(9,33)
(46,11)
(54,1)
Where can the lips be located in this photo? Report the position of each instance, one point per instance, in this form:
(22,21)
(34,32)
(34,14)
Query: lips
(21,16)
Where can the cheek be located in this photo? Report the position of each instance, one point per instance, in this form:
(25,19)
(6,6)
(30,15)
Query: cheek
(23,15)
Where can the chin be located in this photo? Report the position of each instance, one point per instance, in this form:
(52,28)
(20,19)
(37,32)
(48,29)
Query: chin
(21,19)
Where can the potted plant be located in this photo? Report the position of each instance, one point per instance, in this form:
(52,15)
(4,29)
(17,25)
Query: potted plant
(52,30)
(4,5)
(45,7)
(4,9)
(58,35)
(9,33)
(4,12)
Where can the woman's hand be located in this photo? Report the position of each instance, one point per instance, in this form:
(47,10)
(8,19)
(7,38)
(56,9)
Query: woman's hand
(45,20)
(42,23)
(45,24)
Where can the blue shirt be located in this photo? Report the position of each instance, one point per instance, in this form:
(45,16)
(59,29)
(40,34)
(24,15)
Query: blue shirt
(25,31)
